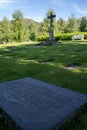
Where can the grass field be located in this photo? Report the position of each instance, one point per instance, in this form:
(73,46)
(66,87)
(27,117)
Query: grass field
(50,64)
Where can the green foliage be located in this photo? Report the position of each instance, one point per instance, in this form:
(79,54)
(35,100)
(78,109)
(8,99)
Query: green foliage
(17,15)
(61,25)
(18,60)
(32,36)
(85,35)
(83,25)
(72,25)
(32,29)
(42,38)
(62,37)
(45,24)
(65,36)
(18,26)
(22,29)
(5,30)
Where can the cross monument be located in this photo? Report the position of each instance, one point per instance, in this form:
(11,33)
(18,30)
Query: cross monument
(51,34)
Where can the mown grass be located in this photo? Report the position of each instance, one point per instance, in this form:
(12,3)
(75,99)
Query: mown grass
(47,63)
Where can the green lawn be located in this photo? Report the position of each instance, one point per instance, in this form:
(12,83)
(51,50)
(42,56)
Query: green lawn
(49,64)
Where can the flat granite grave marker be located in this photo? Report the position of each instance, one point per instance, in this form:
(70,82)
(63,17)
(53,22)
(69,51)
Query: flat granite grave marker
(35,105)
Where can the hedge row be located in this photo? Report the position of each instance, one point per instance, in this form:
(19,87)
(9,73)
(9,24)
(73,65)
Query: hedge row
(65,36)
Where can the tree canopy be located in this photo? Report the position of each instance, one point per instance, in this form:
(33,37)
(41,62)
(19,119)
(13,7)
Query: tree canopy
(20,29)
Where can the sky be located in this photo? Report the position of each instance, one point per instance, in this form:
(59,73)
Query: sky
(37,9)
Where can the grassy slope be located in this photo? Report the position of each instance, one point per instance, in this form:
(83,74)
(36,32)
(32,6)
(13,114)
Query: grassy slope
(47,63)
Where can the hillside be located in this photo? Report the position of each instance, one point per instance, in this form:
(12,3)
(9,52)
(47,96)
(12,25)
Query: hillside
(82,17)
(27,20)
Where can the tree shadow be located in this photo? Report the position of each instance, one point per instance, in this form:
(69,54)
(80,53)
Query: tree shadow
(24,61)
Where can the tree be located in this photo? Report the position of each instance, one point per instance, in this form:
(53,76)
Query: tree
(72,25)
(32,30)
(18,26)
(17,15)
(83,25)
(5,30)
(61,25)
(45,25)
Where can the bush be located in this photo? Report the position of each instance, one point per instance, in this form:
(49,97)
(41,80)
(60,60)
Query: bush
(65,36)
(32,36)
(42,38)
(85,35)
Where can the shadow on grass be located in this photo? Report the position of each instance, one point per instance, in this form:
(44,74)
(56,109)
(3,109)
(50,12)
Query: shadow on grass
(25,61)
(7,123)
(75,122)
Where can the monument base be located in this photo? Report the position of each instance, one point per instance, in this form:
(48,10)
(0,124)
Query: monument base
(47,43)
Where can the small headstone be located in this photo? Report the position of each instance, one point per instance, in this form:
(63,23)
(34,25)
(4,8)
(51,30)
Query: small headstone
(35,105)
(46,61)
(71,67)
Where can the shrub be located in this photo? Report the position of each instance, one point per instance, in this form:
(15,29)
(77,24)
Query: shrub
(42,38)
(65,36)
(85,35)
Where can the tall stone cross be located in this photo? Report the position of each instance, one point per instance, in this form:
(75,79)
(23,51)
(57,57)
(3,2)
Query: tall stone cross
(51,33)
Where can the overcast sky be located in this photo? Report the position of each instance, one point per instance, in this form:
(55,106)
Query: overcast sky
(36,9)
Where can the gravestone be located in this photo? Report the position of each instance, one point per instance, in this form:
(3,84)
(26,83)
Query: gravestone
(35,105)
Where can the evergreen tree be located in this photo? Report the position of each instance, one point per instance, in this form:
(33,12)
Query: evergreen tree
(83,25)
